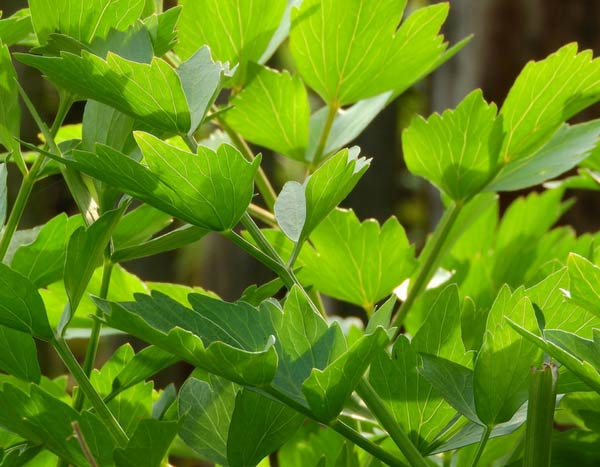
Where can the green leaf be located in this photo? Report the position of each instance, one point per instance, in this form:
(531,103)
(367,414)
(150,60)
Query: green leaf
(272,111)
(233,426)
(170,241)
(103,124)
(570,145)
(360,263)
(18,355)
(162,29)
(328,186)
(42,261)
(85,252)
(503,363)
(585,349)
(206,410)
(301,349)
(43,419)
(453,381)
(237,31)
(148,446)
(382,315)
(10,111)
(151,92)
(201,81)
(17,28)
(584,280)
(142,366)
(21,307)
(328,390)
(582,369)
(233,340)
(139,225)
(3,194)
(456,151)
(418,408)
(544,95)
(352,51)
(83,19)
(259,426)
(195,188)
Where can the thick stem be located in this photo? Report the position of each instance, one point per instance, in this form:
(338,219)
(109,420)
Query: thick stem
(429,263)
(481,446)
(382,414)
(540,416)
(325,134)
(86,387)
(263,184)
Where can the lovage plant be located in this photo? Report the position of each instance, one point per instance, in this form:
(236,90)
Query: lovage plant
(476,370)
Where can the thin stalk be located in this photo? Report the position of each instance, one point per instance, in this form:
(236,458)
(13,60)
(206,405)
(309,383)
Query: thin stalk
(342,428)
(429,263)
(325,134)
(64,352)
(262,181)
(481,446)
(262,215)
(94,340)
(295,252)
(30,178)
(540,416)
(84,447)
(383,415)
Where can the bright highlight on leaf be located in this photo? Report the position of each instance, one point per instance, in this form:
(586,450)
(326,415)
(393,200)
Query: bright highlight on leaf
(458,150)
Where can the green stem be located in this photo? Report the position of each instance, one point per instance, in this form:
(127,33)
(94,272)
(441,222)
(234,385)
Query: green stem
(30,178)
(342,428)
(262,181)
(325,134)
(94,340)
(86,387)
(262,215)
(428,263)
(383,415)
(481,446)
(540,416)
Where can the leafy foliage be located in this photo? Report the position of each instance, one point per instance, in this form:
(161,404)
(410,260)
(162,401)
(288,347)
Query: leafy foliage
(161,159)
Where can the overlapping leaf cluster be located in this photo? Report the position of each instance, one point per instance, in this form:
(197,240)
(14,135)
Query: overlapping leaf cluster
(447,371)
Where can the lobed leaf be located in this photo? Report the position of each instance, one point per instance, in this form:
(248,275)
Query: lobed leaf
(584,277)
(348,51)
(21,307)
(456,151)
(17,28)
(82,19)
(10,111)
(151,92)
(149,444)
(272,111)
(236,31)
(299,209)
(18,355)
(360,263)
(544,95)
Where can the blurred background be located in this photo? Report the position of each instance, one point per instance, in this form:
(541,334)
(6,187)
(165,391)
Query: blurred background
(507,33)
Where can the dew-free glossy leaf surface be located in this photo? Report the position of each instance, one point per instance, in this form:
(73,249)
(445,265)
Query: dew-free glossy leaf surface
(323,191)
(584,283)
(237,31)
(570,145)
(17,28)
(349,51)
(21,307)
(360,263)
(149,444)
(18,355)
(10,111)
(272,111)
(42,261)
(197,188)
(151,92)
(458,150)
(504,360)
(83,19)
(544,95)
